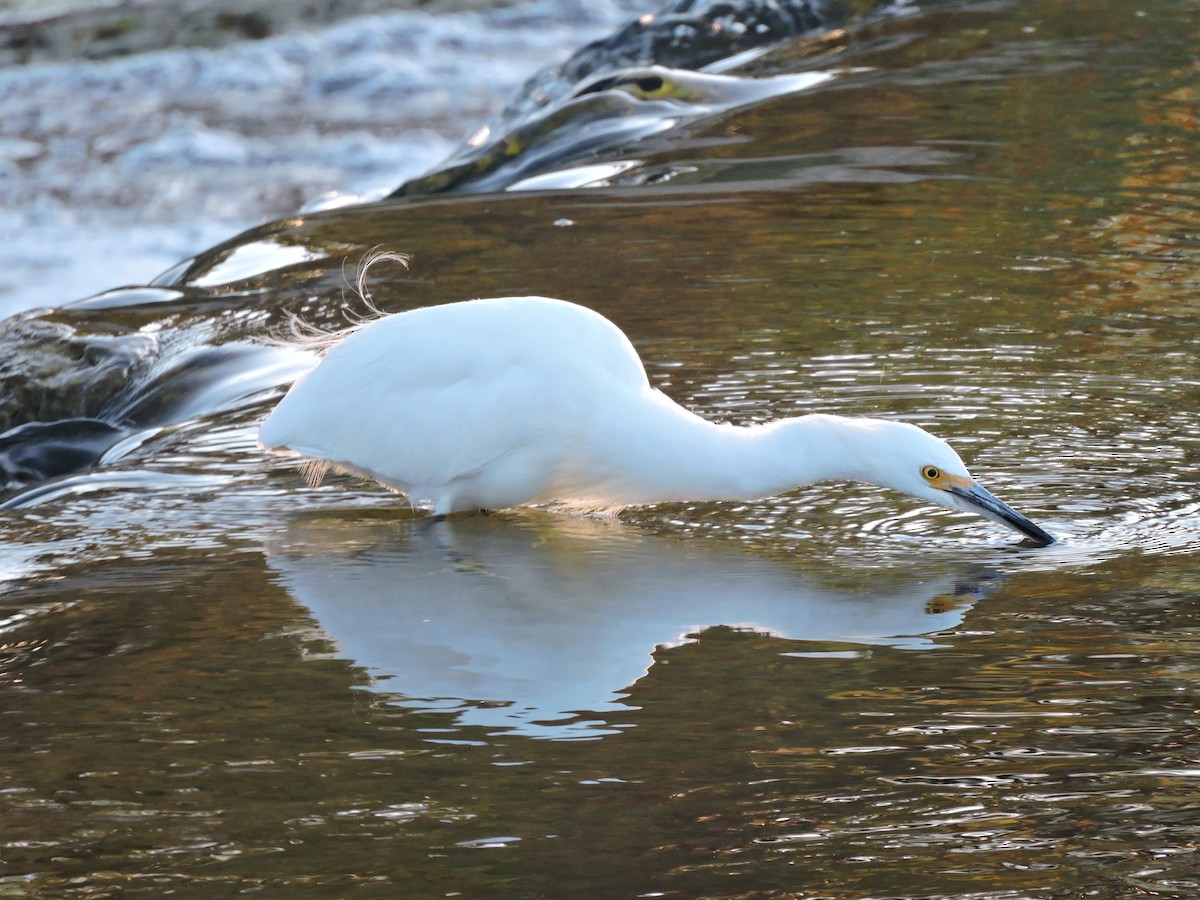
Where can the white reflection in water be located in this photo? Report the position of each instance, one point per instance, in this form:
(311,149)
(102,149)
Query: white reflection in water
(253,259)
(544,616)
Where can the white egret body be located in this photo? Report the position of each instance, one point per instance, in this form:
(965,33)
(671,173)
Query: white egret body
(488,404)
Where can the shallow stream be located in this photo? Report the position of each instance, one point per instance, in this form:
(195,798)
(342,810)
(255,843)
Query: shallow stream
(214,679)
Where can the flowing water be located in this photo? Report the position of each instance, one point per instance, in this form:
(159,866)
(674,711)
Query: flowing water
(114,166)
(216,680)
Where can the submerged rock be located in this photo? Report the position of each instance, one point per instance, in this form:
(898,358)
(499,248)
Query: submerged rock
(50,370)
(686,34)
(614,110)
(570,112)
(38,451)
(68,394)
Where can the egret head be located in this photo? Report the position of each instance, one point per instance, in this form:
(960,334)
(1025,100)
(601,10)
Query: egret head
(909,459)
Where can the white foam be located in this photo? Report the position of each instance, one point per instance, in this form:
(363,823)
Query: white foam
(113,171)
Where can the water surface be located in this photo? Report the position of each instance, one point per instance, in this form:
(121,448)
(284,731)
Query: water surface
(218,680)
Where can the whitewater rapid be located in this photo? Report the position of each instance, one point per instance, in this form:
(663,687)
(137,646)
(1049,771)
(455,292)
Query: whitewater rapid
(112,171)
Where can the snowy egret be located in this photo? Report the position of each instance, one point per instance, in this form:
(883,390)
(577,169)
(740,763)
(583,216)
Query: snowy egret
(487,404)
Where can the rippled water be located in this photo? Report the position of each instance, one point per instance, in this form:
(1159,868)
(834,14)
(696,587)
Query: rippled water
(215,679)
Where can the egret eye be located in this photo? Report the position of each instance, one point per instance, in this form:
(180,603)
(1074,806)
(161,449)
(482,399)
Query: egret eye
(931,473)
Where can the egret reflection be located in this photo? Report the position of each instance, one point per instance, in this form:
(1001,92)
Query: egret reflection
(530,621)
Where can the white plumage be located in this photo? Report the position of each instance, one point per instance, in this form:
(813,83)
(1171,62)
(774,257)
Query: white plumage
(487,404)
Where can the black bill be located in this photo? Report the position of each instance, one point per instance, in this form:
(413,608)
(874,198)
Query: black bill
(977,499)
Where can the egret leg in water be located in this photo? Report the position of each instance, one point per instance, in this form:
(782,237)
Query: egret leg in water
(488,404)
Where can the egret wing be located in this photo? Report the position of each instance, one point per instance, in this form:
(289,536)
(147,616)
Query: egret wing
(426,397)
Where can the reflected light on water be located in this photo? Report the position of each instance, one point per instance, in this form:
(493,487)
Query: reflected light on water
(250,260)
